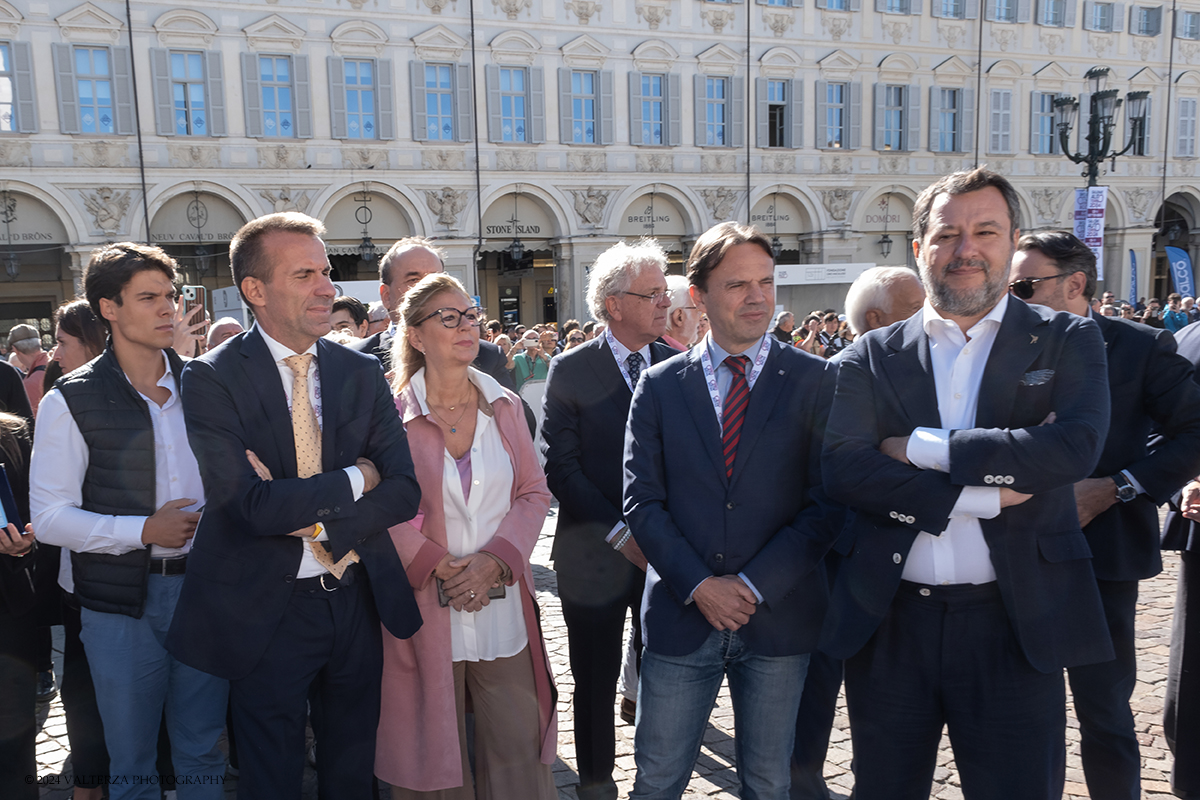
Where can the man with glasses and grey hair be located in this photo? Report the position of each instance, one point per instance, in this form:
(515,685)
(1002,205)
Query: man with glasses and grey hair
(601,571)
(683,317)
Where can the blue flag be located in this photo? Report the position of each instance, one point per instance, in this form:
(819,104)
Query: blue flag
(1132,278)
(1181,271)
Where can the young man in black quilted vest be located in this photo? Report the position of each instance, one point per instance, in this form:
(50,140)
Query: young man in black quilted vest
(113,480)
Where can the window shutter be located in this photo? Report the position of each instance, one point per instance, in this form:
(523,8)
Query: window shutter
(737,116)
(795,90)
(822,90)
(1150,137)
(762,114)
(821,4)
(915,7)
(64,83)
(936,9)
(935,122)
(122,85)
(1089,12)
(337,96)
(854,5)
(912,118)
(416,90)
(635,108)
(1006,100)
(971,9)
(966,120)
(1156,21)
(537,105)
(303,99)
(160,80)
(989,11)
(1041,11)
(214,73)
(565,135)
(1023,10)
(1035,103)
(1118,17)
(855,138)
(252,95)
(606,111)
(464,103)
(880,112)
(491,74)
(1069,13)
(26,100)
(699,109)
(385,100)
(881,6)
(674,109)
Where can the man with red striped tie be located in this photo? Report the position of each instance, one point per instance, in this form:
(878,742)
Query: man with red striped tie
(733,522)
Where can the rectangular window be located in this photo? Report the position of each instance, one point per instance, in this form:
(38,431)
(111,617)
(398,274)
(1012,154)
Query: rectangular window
(1147,20)
(513,119)
(1139,134)
(1189,27)
(893,118)
(836,5)
(777,107)
(716,112)
(8,121)
(187,94)
(948,119)
(360,99)
(1187,127)
(439,101)
(1001,121)
(952,9)
(93,81)
(583,107)
(784,3)
(653,99)
(275,76)
(1102,17)
(896,6)
(1044,136)
(834,124)
(1006,10)
(1054,12)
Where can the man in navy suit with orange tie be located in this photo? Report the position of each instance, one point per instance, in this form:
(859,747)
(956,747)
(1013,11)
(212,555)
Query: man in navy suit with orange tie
(723,495)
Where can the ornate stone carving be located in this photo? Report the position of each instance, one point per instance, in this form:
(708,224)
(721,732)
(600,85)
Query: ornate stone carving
(586,161)
(357,5)
(1004,37)
(436,6)
(780,21)
(280,156)
(516,160)
(837,202)
(896,31)
(512,8)
(1185,169)
(590,203)
(285,200)
(711,162)
(1001,166)
(1189,50)
(655,162)
(1046,202)
(583,9)
(836,25)
(951,33)
(1053,42)
(720,202)
(107,208)
(1139,201)
(654,13)
(716,15)
(365,158)
(1144,46)
(893,165)
(193,156)
(1100,43)
(837,165)
(778,164)
(15,154)
(944,166)
(447,204)
(443,160)
(102,153)
(1139,168)
(1045,167)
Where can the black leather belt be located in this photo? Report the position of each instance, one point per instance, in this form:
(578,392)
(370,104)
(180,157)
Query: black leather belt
(327,582)
(168,566)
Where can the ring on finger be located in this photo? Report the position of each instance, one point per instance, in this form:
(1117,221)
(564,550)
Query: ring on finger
(472,594)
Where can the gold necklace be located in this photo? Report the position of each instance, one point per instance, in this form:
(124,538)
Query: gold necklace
(453,425)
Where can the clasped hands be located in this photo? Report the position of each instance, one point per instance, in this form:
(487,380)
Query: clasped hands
(466,580)
(725,601)
(365,466)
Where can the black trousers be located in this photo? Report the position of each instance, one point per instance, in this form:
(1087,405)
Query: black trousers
(948,656)
(595,636)
(18,718)
(330,641)
(1112,762)
(85,730)
(1181,718)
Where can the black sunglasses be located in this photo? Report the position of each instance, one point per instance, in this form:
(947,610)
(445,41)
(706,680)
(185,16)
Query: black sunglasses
(1024,288)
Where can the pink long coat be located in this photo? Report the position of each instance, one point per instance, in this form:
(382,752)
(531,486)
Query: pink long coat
(417,745)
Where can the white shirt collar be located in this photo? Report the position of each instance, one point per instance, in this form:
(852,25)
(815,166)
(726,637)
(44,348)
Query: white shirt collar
(280,351)
(935,324)
(488,386)
(621,352)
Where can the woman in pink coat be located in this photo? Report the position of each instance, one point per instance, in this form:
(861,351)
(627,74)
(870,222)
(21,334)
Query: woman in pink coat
(483,501)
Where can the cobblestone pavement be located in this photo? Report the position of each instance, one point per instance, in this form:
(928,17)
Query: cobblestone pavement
(714,775)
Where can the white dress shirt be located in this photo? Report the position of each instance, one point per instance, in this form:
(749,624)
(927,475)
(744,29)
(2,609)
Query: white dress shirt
(960,554)
(59,465)
(309,566)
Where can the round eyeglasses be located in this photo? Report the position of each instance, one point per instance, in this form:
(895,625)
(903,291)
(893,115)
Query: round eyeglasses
(452,317)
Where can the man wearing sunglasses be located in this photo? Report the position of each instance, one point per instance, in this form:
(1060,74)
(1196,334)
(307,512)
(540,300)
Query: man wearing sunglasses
(1151,388)
(956,436)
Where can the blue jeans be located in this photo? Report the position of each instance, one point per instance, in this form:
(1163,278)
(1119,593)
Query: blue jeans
(676,695)
(135,679)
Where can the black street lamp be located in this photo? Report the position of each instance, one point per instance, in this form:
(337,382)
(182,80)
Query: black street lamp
(1101,121)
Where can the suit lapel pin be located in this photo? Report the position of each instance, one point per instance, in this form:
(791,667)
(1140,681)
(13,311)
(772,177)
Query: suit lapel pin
(1032,339)
(780,372)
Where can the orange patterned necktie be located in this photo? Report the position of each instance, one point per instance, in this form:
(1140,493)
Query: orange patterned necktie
(308,451)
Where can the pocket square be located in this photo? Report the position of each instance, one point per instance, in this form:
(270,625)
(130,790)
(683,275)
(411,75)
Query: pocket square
(1037,377)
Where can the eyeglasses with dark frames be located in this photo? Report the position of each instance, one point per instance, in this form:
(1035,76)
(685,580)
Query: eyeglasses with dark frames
(655,297)
(575,338)
(452,317)
(1024,288)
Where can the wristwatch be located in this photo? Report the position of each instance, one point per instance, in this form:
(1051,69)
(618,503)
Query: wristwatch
(1126,491)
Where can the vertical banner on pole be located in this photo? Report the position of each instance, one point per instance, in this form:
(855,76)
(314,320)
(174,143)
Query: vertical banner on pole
(1181,271)
(1132,278)
(1090,204)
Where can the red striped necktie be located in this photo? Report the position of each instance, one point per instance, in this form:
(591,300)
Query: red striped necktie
(733,412)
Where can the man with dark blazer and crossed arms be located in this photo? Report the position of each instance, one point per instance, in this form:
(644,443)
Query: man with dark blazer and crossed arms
(305,465)
(956,437)
(600,568)
(736,581)
(1152,391)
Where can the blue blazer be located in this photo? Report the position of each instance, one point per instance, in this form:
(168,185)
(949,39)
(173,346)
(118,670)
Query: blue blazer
(243,564)
(1040,362)
(770,521)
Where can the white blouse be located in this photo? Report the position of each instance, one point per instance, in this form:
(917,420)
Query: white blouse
(498,629)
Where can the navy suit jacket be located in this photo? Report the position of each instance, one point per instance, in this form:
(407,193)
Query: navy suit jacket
(770,520)
(1040,362)
(1152,390)
(583,435)
(1180,533)
(243,564)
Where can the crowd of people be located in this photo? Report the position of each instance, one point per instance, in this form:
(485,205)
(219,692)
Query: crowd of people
(943,498)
